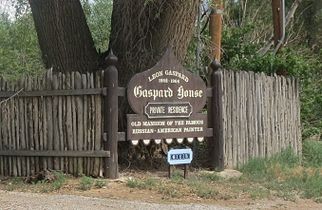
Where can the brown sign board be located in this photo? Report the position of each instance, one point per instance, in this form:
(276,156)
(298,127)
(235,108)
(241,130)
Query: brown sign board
(167,100)
(167,81)
(140,127)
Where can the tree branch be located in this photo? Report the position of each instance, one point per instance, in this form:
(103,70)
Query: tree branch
(11,97)
(289,18)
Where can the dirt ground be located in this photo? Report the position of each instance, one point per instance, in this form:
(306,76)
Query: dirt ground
(117,195)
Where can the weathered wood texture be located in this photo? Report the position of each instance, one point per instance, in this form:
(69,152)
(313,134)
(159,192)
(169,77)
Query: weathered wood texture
(70,123)
(255,116)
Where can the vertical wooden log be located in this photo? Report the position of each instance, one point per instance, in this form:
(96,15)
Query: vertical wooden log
(40,124)
(74,123)
(264,116)
(243,121)
(279,110)
(35,124)
(282,114)
(14,129)
(63,123)
(271,116)
(238,116)
(293,116)
(5,143)
(229,151)
(45,122)
(90,133)
(250,114)
(56,137)
(60,138)
(85,127)
(111,117)
(29,123)
(1,131)
(234,119)
(289,116)
(69,124)
(224,116)
(50,132)
(298,118)
(97,121)
(80,128)
(216,118)
(12,120)
(258,115)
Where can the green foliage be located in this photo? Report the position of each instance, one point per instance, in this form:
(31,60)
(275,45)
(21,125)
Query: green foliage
(263,168)
(212,177)
(99,183)
(98,15)
(86,183)
(59,181)
(284,173)
(19,52)
(203,190)
(142,184)
(312,153)
(257,192)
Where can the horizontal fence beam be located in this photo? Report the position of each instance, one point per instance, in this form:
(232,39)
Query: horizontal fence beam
(39,93)
(54,153)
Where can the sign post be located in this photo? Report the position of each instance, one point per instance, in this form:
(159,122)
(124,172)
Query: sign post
(180,157)
(167,101)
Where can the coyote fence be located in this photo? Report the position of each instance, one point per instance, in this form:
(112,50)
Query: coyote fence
(52,121)
(258,116)
(68,121)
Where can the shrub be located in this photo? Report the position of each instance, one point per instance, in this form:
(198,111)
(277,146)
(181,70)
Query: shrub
(86,183)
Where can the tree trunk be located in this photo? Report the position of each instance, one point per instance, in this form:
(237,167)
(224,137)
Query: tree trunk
(313,24)
(142,30)
(64,37)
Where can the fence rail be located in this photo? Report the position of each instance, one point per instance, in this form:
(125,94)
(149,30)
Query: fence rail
(258,115)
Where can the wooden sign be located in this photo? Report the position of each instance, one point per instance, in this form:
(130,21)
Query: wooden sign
(166,82)
(167,100)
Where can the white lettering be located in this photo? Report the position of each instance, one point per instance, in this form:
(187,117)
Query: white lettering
(139,92)
(193,129)
(169,130)
(155,75)
(182,93)
(178,109)
(176,74)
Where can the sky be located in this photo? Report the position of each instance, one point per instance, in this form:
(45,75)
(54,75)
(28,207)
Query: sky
(6,6)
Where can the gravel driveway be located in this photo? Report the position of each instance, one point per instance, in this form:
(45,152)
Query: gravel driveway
(22,200)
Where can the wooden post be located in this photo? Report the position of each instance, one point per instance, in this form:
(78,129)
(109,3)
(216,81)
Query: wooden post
(215,143)
(277,20)
(215,28)
(111,117)
(185,173)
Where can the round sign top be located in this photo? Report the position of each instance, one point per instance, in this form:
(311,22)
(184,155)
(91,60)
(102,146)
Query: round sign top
(167,89)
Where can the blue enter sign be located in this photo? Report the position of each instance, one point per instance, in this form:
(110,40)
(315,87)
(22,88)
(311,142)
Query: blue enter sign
(179,156)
